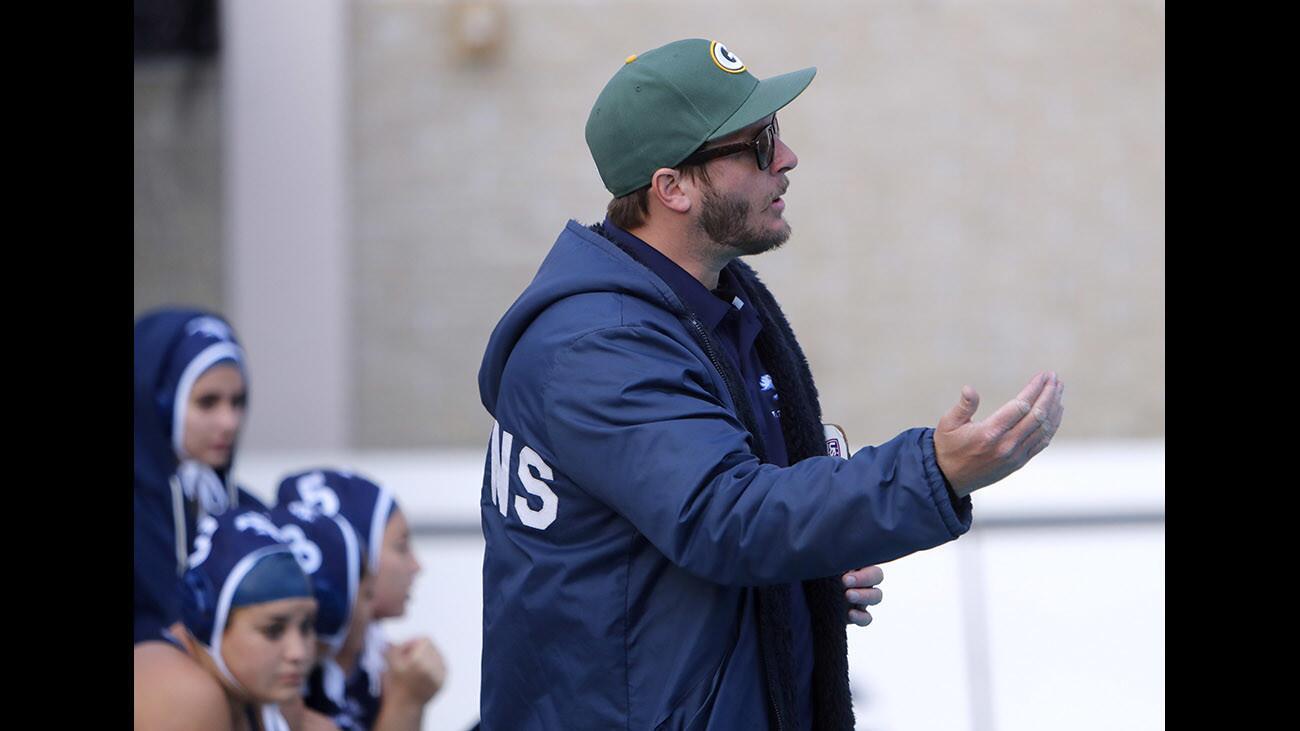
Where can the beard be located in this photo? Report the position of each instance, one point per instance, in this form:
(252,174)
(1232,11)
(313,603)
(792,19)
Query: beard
(724,219)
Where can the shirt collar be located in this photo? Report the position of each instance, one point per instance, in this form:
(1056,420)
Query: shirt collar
(688,289)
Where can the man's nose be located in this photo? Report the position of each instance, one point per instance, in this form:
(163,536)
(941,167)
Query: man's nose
(784,159)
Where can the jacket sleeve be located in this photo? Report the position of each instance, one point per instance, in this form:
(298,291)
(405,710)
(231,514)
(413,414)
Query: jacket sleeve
(632,422)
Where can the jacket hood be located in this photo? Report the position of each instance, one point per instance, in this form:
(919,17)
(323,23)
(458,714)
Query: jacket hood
(581,261)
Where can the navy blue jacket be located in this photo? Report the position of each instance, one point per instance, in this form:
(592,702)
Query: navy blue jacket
(638,550)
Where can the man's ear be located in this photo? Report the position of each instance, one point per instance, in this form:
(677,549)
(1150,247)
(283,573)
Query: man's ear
(668,187)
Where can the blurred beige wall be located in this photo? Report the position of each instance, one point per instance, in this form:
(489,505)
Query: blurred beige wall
(980,195)
(177,144)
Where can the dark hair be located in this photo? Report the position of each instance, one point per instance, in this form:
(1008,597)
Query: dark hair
(629,211)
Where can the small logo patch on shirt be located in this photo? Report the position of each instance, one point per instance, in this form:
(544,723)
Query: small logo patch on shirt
(837,442)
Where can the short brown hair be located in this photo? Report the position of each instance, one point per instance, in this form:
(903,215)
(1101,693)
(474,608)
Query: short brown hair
(629,211)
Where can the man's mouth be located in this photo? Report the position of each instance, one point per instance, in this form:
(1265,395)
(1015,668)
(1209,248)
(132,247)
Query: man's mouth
(777,199)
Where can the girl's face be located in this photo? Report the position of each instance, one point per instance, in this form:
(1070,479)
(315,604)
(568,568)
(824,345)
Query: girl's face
(213,415)
(397,569)
(270,647)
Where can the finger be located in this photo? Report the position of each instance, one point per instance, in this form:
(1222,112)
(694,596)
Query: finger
(1047,434)
(962,412)
(1038,446)
(865,576)
(864,597)
(860,617)
(1047,401)
(427,653)
(1041,416)
(1038,440)
(1008,416)
(1014,411)
(1056,412)
(429,664)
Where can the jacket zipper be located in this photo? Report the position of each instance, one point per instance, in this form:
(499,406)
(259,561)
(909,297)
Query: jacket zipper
(737,393)
(742,404)
(776,706)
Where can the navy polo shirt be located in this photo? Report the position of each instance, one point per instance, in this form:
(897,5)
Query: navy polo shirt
(735,326)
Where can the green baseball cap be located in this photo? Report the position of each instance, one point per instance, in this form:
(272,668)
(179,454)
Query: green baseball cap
(663,104)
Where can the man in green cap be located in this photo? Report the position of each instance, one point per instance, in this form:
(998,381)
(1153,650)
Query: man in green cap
(672,540)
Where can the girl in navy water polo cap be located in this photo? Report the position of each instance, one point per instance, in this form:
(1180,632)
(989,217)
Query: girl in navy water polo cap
(190,395)
(246,639)
(385,684)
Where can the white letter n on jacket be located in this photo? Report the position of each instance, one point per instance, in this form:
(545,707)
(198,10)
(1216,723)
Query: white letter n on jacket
(534,484)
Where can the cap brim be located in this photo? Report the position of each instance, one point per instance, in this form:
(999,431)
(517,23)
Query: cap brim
(767,98)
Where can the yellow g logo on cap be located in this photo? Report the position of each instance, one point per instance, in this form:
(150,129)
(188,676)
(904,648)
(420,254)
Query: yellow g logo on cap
(725,59)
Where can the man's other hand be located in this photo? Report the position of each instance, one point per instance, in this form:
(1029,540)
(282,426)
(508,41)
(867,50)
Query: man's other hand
(861,592)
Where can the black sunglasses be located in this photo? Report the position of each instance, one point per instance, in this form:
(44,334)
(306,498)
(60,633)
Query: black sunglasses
(764,146)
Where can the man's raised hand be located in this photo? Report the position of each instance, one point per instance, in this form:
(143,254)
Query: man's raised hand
(975,454)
